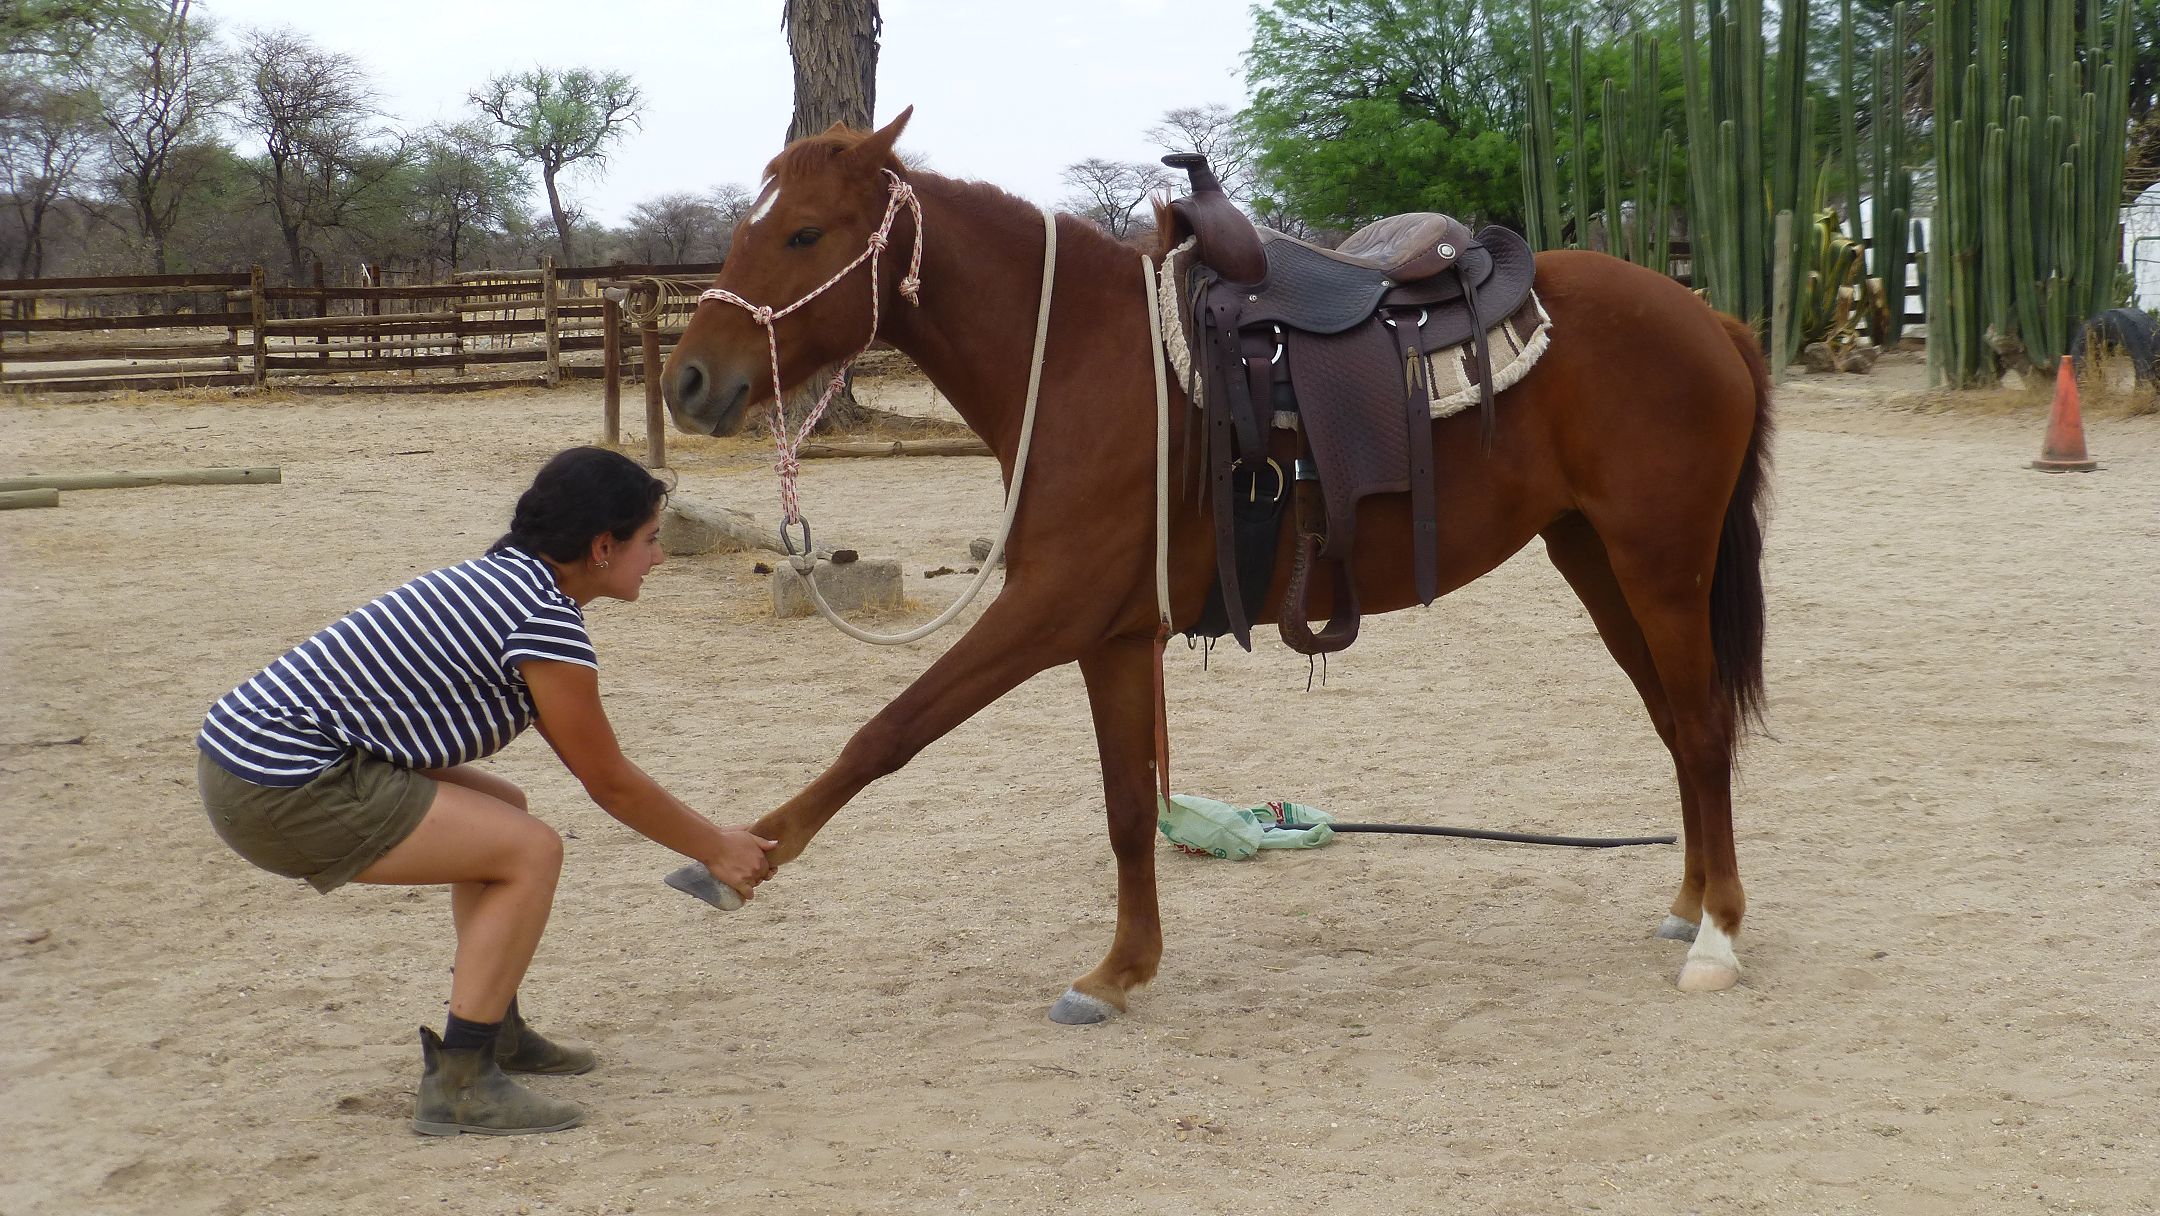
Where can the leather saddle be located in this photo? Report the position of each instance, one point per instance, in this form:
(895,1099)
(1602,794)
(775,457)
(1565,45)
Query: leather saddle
(1341,339)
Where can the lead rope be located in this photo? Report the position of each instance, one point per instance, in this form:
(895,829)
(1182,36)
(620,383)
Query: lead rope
(1162,531)
(805,563)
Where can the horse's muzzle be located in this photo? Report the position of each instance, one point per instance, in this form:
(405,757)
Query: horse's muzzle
(704,403)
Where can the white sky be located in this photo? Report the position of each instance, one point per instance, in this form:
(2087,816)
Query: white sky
(1008,91)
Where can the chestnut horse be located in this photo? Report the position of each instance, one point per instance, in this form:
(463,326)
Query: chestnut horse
(1636,448)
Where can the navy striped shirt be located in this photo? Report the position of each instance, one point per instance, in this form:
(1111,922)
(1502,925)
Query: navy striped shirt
(425,676)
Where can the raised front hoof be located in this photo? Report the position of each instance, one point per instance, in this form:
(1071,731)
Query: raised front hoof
(1077,1008)
(1699,976)
(1677,930)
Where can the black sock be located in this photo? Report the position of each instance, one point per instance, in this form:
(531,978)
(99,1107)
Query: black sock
(461,1035)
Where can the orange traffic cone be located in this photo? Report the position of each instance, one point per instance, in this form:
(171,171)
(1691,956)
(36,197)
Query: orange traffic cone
(2064,451)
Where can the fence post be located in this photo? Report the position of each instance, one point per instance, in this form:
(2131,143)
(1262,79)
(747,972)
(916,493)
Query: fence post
(649,366)
(256,310)
(611,363)
(322,310)
(547,316)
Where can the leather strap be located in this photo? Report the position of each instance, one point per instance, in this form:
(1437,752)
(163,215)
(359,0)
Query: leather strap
(1294,622)
(1417,413)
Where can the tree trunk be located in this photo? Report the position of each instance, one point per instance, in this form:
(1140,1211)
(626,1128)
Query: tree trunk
(835,47)
(562,222)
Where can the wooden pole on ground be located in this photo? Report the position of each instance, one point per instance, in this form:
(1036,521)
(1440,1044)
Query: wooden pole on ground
(11,500)
(897,447)
(655,414)
(611,360)
(548,301)
(266,475)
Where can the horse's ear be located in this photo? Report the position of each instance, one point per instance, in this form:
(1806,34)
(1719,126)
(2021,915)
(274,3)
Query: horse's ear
(876,148)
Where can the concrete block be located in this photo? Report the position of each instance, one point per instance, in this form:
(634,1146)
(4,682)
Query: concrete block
(863,583)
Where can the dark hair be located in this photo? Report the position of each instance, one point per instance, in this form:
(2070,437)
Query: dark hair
(577,495)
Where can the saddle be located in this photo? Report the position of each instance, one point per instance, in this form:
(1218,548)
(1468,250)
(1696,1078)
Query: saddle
(1352,348)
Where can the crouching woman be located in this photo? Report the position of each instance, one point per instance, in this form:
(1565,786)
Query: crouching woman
(349,759)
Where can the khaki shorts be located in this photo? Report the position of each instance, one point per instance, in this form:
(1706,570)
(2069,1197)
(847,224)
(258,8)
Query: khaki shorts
(326,831)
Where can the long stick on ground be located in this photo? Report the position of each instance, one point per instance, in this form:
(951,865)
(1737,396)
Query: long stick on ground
(147,477)
(43,497)
(897,447)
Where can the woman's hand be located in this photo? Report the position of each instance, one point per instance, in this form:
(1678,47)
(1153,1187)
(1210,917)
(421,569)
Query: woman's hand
(740,860)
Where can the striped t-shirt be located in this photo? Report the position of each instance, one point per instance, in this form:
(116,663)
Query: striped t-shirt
(425,676)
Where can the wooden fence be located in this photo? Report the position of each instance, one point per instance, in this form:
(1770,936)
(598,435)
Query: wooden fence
(484,329)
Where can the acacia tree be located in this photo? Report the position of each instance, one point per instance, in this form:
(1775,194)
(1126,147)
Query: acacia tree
(166,87)
(47,129)
(325,161)
(46,33)
(1214,132)
(1110,192)
(462,187)
(560,119)
(675,228)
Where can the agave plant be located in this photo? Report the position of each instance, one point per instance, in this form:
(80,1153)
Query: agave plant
(1838,294)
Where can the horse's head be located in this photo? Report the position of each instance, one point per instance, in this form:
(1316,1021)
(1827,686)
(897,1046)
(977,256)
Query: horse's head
(824,199)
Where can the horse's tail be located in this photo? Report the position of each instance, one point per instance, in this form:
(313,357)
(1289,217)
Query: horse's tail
(1736,588)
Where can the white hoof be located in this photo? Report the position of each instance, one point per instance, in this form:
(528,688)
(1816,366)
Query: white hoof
(1711,965)
(1676,929)
(1707,977)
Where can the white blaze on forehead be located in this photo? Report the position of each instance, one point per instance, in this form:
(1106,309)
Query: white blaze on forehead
(766,200)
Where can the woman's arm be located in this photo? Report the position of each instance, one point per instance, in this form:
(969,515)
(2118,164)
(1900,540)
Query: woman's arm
(571,719)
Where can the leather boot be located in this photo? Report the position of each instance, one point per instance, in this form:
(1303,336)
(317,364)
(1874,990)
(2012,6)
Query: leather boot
(520,1048)
(464,1091)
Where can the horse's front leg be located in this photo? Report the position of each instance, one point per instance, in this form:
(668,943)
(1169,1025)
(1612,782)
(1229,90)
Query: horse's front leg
(1014,638)
(1121,691)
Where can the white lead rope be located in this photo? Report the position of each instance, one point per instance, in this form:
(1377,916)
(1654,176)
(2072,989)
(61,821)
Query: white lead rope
(1162,447)
(805,564)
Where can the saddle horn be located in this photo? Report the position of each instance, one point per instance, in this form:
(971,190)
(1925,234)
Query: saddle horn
(1227,240)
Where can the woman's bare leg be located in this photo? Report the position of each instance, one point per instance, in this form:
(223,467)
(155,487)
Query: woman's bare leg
(509,861)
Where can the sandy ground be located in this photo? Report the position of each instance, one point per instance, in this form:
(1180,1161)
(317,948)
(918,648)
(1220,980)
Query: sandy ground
(1952,949)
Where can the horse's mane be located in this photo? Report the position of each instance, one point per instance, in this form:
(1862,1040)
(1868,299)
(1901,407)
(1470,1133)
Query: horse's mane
(813,150)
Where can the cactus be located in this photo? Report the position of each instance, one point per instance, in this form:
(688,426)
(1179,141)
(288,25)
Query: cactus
(1892,181)
(2029,147)
(1732,152)
(1633,168)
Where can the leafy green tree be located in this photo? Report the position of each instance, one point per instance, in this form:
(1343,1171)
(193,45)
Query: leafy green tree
(326,159)
(50,33)
(560,119)
(48,129)
(461,188)
(1363,108)
(164,83)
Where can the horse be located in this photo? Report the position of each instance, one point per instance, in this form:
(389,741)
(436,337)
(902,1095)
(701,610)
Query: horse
(1637,448)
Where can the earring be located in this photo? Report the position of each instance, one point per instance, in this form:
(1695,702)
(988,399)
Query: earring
(602,565)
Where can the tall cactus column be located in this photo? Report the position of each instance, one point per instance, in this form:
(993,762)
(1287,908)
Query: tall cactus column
(2029,146)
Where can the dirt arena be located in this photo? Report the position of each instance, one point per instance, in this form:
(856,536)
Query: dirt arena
(1952,950)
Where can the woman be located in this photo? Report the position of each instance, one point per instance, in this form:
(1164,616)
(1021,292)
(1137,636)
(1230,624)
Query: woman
(349,760)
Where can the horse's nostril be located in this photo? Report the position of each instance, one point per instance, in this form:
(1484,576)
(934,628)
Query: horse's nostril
(690,384)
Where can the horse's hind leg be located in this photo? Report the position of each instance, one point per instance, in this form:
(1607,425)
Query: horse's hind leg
(1121,691)
(1665,577)
(1579,555)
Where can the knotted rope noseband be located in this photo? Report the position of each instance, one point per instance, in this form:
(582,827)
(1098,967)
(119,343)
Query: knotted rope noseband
(788,464)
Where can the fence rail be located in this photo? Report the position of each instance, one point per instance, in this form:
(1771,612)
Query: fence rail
(523,327)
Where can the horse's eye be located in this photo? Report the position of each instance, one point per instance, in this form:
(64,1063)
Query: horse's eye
(804,239)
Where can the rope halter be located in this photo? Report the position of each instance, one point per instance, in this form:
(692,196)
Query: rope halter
(788,465)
